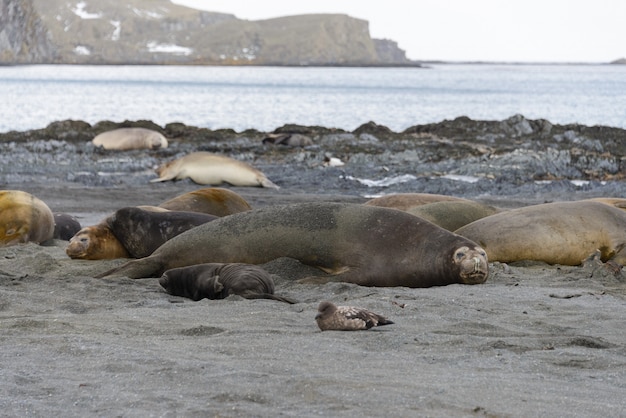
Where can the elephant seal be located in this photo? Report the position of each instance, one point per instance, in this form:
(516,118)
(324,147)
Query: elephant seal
(556,233)
(292,140)
(65,226)
(355,243)
(95,242)
(219,280)
(207,168)
(142,231)
(452,214)
(24,218)
(331,317)
(405,201)
(124,139)
(212,200)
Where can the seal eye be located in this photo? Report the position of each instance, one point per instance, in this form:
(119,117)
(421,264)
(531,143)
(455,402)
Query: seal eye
(460,255)
(10,232)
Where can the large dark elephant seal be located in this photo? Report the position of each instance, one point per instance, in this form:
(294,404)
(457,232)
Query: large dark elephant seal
(95,242)
(405,201)
(143,231)
(555,233)
(24,218)
(65,226)
(212,200)
(355,243)
(124,139)
(219,280)
(207,168)
(452,214)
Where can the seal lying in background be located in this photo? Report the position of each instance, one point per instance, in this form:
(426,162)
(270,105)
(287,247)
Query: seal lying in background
(207,168)
(124,139)
(24,218)
(219,280)
(360,244)
(405,201)
(555,233)
(65,226)
(212,200)
(143,231)
(452,214)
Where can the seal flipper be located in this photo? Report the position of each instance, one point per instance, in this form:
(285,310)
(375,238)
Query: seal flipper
(252,295)
(136,269)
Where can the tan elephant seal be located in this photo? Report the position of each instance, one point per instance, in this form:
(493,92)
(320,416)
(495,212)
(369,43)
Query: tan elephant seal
(355,243)
(452,214)
(555,233)
(405,201)
(207,168)
(124,139)
(220,280)
(24,218)
(95,242)
(212,200)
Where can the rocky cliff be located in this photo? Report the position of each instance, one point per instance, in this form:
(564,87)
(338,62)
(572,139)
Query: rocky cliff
(159,32)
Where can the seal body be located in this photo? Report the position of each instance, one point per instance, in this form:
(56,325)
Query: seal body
(220,280)
(95,242)
(555,233)
(347,318)
(124,139)
(354,243)
(207,168)
(212,200)
(406,201)
(65,226)
(24,218)
(452,214)
(141,231)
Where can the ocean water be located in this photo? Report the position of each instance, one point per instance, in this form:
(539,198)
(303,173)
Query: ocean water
(265,98)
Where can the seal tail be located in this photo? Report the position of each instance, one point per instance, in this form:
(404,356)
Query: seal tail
(136,269)
(269,296)
(265,182)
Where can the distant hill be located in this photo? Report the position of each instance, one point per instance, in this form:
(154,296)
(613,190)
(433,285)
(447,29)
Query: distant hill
(619,61)
(159,32)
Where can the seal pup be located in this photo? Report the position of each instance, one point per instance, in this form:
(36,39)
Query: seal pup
(405,201)
(355,243)
(212,200)
(65,226)
(142,231)
(24,218)
(124,139)
(95,242)
(331,317)
(219,280)
(556,233)
(208,168)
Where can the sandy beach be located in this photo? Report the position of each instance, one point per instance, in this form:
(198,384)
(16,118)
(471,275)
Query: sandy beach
(533,340)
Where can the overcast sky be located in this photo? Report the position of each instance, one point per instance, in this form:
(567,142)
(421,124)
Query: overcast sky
(469,30)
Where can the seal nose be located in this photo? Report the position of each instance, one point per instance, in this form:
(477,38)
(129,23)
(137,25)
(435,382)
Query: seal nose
(476,261)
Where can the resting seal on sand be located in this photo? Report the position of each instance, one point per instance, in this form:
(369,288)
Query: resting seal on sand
(24,218)
(207,168)
(95,242)
(124,139)
(452,214)
(331,317)
(405,201)
(219,280)
(555,233)
(143,231)
(212,200)
(355,243)
(65,226)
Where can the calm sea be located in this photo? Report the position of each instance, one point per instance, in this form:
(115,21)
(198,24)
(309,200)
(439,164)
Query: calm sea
(268,97)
